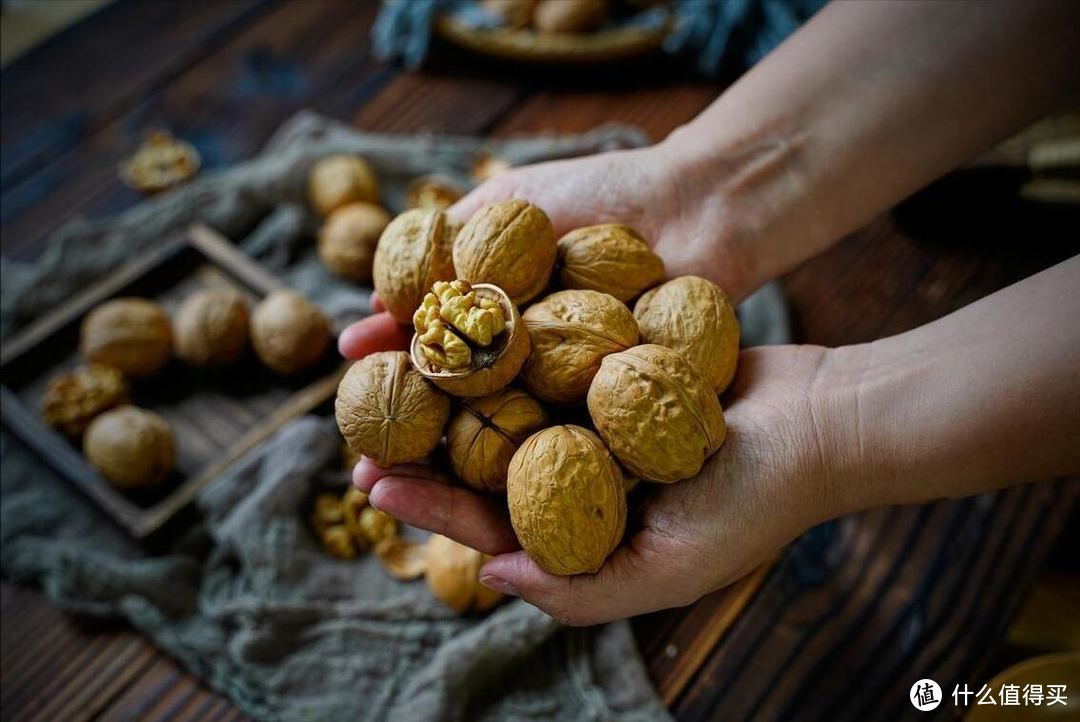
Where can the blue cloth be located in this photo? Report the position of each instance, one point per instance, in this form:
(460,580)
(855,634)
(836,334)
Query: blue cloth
(719,35)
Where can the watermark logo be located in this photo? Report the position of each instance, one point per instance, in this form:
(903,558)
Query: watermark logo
(925,695)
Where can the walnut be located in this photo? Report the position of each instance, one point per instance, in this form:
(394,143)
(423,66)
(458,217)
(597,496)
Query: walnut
(352,505)
(129,334)
(511,13)
(73,399)
(486,432)
(566,498)
(510,244)
(348,238)
(569,16)
(413,253)
(432,191)
(469,340)
(403,559)
(611,258)
(453,575)
(377,526)
(328,511)
(694,317)
(656,413)
(160,163)
(131,447)
(571,332)
(387,411)
(339,179)
(289,333)
(212,327)
(337,542)
(487,166)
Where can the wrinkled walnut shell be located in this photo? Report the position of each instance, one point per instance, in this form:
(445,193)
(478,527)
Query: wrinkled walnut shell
(288,332)
(129,334)
(72,400)
(453,575)
(611,258)
(387,411)
(510,244)
(131,447)
(566,500)
(570,333)
(656,413)
(348,239)
(492,367)
(339,179)
(413,253)
(694,317)
(211,327)
(483,436)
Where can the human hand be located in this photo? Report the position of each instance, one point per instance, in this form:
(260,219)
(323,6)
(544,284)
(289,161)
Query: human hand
(765,486)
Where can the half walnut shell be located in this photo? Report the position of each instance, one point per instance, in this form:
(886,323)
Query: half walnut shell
(490,367)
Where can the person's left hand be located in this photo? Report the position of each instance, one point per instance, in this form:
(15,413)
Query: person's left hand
(765,486)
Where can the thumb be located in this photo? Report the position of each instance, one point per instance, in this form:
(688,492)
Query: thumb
(630,582)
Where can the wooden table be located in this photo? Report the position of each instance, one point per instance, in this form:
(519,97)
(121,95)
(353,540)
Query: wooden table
(846,621)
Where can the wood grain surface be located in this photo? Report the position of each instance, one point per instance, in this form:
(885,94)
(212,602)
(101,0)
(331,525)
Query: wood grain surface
(834,631)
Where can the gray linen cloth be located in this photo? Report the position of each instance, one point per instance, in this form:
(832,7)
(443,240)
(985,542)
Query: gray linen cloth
(246,599)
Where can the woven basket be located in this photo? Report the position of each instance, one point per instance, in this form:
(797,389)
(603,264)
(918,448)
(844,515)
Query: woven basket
(530,46)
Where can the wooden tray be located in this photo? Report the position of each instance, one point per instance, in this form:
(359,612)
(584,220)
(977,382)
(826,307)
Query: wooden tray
(217,415)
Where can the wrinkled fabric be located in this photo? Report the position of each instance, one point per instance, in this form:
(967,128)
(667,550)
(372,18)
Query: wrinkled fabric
(245,598)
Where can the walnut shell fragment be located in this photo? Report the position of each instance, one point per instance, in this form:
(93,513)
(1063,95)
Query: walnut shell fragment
(469,340)
(453,575)
(611,258)
(566,499)
(130,334)
(570,333)
(656,413)
(289,332)
(510,244)
(403,559)
(387,411)
(483,436)
(212,327)
(413,253)
(693,316)
(131,447)
(340,179)
(72,400)
(348,239)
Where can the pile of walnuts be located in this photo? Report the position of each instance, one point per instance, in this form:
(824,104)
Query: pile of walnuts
(127,339)
(514,327)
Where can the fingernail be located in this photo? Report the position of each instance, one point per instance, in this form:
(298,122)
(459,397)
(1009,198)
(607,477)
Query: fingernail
(498,584)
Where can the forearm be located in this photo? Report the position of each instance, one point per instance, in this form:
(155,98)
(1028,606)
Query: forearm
(866,104)
(986,397)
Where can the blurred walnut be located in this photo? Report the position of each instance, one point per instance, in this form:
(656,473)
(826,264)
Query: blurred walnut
(327,511)
(377,526)
(469,340)
(403,559)
(160,163)
(340,179)
(337,541)
(513,13)
(211,327)
(694,317)
(129,334)
(413,253)
(509,244)
(453,575)
(569,16)
(567,500)
(131,447)
(348,239)
(656,413)
(571,332)
(486,432)
(487,166)
(289,333)
(611,258)
(73,399)
(352,506)
(432,191)
(387,411)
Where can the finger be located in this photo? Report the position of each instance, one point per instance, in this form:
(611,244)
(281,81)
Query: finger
(374,333)
(465,516)
(367,472)
(377,306)
(632,581)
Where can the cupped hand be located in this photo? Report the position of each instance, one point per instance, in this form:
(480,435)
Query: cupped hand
(765,486)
